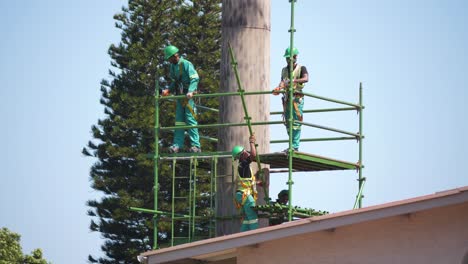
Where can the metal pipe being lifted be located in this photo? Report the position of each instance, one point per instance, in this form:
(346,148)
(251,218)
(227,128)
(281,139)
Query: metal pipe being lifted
(246,26)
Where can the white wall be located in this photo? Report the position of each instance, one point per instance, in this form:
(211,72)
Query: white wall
(429,237)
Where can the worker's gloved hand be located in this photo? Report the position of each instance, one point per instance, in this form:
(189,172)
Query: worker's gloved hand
(189,95)
(252,139)
(165,92)
(263,177)
(276,91)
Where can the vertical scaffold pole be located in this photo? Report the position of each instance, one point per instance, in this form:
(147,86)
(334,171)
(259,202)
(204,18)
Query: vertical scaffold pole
(290,108)
(155,160)
(173,200)
(214,164)
(190,201)
(194,194)
(361,179)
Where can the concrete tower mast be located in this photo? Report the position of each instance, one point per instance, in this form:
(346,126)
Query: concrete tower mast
(246,27)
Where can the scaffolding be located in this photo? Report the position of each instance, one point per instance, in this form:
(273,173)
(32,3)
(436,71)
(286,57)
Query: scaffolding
(201,168)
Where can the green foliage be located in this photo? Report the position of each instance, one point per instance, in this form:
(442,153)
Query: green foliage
(122,140)
(10,250)
(34,258)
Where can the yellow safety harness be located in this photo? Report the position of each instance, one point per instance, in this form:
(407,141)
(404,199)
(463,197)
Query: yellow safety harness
(296,75)
(297,89)
(248,187)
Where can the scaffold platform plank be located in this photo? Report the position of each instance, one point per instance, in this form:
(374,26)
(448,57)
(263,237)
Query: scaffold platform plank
(306,162)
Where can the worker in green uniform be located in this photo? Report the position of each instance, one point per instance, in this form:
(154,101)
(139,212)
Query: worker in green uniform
(283,197)
(280,216)
(184,80)
(246,194)
(300,76)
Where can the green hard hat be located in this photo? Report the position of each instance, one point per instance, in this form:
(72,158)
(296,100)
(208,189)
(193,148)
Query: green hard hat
(287,52)
(236,151)
(169,51)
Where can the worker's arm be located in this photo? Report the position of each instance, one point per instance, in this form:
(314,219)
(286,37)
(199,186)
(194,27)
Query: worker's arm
(253,152)
(304,76)
(172,80)
(265,183)
(303,79)
(194,79)
(280,87)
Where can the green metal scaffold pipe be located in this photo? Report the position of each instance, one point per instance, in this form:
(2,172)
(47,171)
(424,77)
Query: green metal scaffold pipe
(361,179)
(170,97)
(221,125)
(155,165)
(320,110)
(247,119)
(193,181)
(174,162)
(314,139)
(290,121)
(290,109)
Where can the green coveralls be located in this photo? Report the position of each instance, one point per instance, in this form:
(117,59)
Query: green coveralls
(184,79)
(298,104)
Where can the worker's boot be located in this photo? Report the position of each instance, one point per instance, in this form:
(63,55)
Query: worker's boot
(195,149)
(287,150)
(173,149)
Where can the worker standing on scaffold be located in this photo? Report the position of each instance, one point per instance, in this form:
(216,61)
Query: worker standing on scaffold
(184,80)
(300,77)
(246,194)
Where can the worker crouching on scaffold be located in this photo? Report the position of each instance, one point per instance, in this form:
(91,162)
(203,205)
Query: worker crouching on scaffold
(246,194)
(300,77)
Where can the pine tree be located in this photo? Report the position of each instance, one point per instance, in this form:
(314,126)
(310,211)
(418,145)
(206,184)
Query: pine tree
(123,139)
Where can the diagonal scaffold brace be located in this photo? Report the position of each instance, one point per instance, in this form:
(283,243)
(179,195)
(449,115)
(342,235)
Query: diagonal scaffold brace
(248,120)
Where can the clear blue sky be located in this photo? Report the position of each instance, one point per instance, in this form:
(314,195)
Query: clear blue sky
(410,55)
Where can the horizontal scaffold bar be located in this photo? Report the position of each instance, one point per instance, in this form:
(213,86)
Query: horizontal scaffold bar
(200,155)
(150,211)
(281,171)
(314,139)
(333,100)
(222,125)
(321,110)
(213,95)
(356,135)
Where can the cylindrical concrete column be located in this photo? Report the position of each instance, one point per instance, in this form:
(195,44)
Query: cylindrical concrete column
(246,26)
